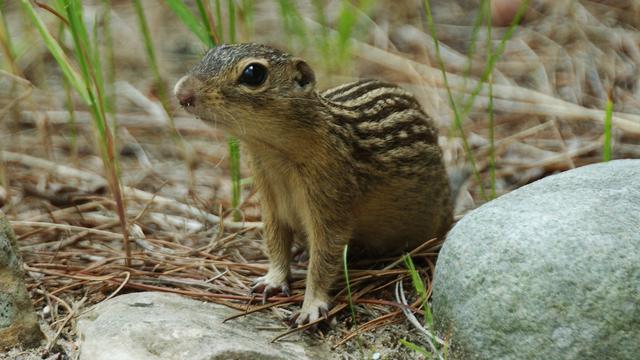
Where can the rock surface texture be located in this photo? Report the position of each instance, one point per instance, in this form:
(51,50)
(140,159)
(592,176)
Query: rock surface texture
(549,271)
(153,326)
(18,321)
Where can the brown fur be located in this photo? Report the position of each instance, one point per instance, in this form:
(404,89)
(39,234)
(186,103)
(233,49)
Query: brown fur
(357,164)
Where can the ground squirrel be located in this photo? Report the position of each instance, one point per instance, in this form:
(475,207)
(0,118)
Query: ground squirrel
(357,164)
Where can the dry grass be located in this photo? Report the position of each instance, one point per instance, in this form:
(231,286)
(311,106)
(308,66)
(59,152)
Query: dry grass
(550,90)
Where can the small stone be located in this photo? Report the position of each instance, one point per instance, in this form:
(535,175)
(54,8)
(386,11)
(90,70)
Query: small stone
(154,326)
(549,271)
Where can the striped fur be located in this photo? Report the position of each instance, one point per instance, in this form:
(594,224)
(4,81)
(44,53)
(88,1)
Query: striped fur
(382,123)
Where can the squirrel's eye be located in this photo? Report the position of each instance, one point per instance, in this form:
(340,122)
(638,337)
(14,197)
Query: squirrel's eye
(253,75)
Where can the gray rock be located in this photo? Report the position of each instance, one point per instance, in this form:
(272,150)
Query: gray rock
(549,271)
(152,326)
(18,321)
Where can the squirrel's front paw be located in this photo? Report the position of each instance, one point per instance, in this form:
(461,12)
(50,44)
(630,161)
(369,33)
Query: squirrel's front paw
(269,285)
(312,310)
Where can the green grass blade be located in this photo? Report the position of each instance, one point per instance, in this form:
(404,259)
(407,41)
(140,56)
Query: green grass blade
(89,84)
(151,57)
(110,98)
(219,28)
(323,32)
(346,23)
(486,11)
(75,79)
(146,37)
(292,21)
(207,36)
(7,45)
(417,348)
(415,278)
(234,145)
(79,35)
(96,59)
(459,114)
(88,67)
(495,56)
(247,15)
(477,25)
(418,284)
(456,113)
(607,129)
(492,151)
(189,20)
(231,8)
(236,186)
(206,20)
(89,61)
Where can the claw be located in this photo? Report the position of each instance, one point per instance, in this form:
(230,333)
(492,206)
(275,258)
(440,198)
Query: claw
(256,288)
(302,319)
(292,320)
(325,313)
(267,286)
(314,310)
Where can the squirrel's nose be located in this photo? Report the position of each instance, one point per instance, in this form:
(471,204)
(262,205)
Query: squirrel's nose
(187,99)
(185,93)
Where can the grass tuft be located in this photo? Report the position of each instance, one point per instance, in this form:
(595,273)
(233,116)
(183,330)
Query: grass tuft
(418,284)
(438,347)
(459,114)
(456,113)
(89,85)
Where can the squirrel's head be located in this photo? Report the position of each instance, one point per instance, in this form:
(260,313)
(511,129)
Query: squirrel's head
(238,84)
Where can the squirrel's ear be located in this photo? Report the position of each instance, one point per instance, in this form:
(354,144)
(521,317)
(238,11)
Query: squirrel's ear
(303,75)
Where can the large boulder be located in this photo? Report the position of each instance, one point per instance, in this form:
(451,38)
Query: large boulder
(549,271)
(18,321)
(161,326)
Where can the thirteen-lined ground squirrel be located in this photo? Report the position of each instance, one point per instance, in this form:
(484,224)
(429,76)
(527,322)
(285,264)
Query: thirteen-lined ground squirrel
(358,164)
